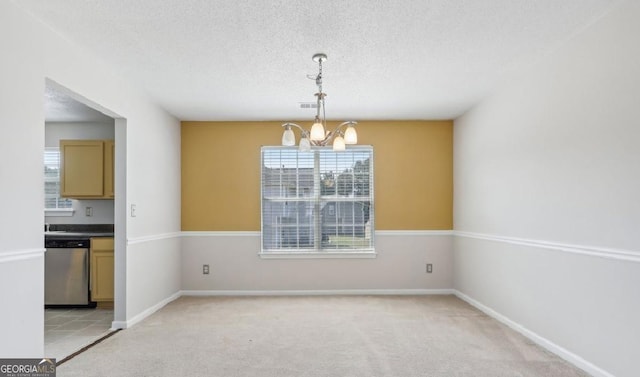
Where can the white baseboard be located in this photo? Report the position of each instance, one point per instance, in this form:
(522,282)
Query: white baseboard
(402,233)
(144,314)
(326,292)
(539,340)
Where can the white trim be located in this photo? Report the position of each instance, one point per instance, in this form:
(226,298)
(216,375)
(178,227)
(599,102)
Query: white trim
(539,340)
(318,255)
(258,234)
(329,292)
(221,234)
(405,233)
(59,212)
(11,256)
(626,255)
(146,313)
(155,237)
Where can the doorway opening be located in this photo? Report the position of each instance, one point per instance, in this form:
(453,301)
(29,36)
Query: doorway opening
(73,321)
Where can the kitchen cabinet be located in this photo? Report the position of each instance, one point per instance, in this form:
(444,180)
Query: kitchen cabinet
(87,169)
(102,271)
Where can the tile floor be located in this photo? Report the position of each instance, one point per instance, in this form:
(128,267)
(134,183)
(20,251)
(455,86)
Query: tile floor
(68,330)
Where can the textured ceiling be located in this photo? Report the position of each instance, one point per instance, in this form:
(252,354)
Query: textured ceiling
(249,59)
(60,107)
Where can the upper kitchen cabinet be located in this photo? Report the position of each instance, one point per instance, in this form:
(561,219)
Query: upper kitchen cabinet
(109,158)
(86,169)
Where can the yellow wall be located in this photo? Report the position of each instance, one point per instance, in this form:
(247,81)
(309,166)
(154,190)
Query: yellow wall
(413,162)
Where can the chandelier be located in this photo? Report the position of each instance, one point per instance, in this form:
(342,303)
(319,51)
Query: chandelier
(318,136)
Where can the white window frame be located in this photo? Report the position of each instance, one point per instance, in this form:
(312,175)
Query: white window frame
(311,203)
(63,206)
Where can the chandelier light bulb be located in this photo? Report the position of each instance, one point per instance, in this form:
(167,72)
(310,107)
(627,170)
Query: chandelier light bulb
(317,131)
(338,144)
(350,135)
(305,145)
(288,137)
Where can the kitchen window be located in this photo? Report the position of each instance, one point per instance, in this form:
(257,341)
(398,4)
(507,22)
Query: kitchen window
(317,203)
(52,199)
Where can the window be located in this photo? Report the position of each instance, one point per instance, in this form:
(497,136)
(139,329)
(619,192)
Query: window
(52,199)
(317,202)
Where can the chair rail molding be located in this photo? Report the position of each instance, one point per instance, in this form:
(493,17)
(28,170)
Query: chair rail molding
(602,252)
(15,255)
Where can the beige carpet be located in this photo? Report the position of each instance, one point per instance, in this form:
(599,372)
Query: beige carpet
(332,336)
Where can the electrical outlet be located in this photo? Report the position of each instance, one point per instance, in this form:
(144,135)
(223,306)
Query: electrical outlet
(205,269)
(88,211)
(429,268)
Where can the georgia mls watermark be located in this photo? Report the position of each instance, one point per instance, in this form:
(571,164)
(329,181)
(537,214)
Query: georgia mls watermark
(27,367)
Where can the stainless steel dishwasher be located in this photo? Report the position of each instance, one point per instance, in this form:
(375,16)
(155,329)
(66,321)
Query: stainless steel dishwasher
(66,273)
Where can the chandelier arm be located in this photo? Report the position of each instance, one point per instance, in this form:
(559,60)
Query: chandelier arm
(338,130)
(347,123)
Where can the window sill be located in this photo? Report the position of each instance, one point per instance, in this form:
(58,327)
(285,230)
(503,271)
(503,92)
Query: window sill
(59,212)
(318,255)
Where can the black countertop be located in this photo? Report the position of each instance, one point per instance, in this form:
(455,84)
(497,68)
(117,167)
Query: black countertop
(69,231)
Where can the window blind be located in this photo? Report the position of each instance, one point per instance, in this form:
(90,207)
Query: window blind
(317,201)
(52,199)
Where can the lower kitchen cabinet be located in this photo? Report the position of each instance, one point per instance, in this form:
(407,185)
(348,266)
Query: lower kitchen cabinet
(102,275)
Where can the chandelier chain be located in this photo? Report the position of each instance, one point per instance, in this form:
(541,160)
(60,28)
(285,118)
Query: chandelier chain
(320,94)
(319,77)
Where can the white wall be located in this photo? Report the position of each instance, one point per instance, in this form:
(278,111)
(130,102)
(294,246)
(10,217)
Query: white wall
(56,131)
(21,248)
(157,262)
(398,268)
(152,168)
(547,216)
